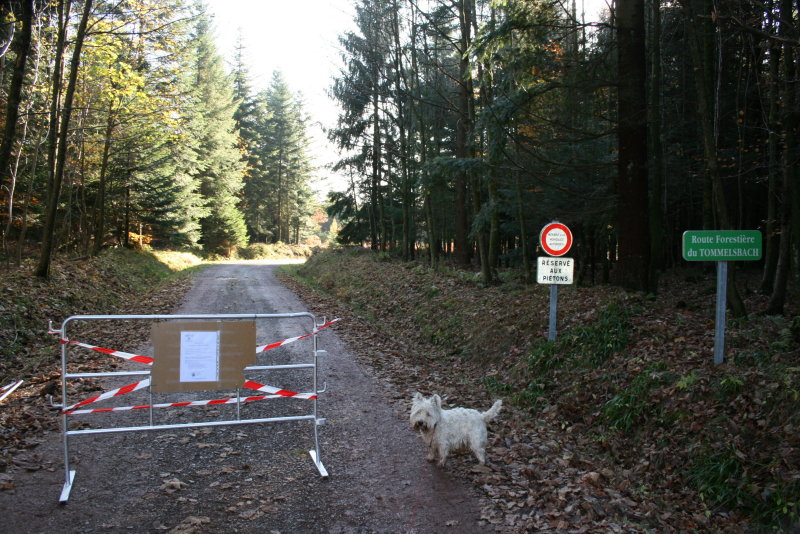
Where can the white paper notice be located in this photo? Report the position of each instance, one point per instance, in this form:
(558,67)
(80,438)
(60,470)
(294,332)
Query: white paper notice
(199,356)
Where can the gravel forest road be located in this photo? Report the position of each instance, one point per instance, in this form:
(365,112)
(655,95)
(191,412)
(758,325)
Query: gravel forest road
(255,478)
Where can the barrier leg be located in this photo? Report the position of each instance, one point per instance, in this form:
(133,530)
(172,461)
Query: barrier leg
(315,452)
(321,468)
(69,474)
(67,487)
(315,456)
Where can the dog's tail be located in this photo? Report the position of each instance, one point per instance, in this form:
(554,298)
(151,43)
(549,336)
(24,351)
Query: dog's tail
(492,412)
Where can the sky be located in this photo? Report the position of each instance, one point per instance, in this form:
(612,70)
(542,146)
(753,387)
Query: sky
(299,38)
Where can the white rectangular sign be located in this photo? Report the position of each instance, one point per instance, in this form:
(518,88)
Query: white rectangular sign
(555,270)
(199,357)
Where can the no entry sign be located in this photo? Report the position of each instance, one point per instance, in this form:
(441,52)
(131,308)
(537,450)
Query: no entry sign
(556,239)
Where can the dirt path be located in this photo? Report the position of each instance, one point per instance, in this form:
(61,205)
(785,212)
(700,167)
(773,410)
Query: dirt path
(250,478)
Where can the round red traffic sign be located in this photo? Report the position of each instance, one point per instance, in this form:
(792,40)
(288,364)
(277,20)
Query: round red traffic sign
(556,239)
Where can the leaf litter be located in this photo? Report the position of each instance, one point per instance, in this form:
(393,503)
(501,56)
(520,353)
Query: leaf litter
(558,462)
(555,469)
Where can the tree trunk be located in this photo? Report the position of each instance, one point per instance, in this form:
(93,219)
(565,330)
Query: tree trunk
(463,130)
(494,222)
(632,187)
(406,241)
(791,121)
(480,234)
(703,60)
(523,230)
(771,227)
(495,139)
(656,177)
(12,111)
(375,224)
(100,210)
(126,241)
(54,191)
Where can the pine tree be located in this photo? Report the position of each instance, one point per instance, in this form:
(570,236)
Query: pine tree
(221,164)
(250,114)
(360,90)
(278,194)
(162,194)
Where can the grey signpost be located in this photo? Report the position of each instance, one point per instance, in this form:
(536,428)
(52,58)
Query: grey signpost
(556,240)
(721,246)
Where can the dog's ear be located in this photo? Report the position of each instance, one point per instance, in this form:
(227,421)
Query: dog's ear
(437,400)
(417,396)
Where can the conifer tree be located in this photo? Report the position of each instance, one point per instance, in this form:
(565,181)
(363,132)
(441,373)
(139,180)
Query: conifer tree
(250,114)
(160,156)
(278,194)
(221,165)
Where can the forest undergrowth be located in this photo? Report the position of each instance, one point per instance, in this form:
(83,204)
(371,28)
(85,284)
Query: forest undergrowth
(118,281)
(623,424)
(622,421)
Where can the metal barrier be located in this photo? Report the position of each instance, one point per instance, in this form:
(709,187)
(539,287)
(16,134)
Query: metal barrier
(7,390)
(68,410)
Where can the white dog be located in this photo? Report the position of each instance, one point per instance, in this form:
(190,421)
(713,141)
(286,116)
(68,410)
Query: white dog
(448,430)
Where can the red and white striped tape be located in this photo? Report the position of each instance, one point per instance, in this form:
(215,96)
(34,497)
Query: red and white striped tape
(172,404)
(277,344)
(149,361)
(113,393)
(280,392)
(273,391)
(127,355)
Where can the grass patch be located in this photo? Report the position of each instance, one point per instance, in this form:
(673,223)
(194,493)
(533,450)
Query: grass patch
(108,284)
(589,345)
(532,396)
(137,266)
(728,479)
(633,405)
(177,261)
(271,251)
(577,349)
(141,269)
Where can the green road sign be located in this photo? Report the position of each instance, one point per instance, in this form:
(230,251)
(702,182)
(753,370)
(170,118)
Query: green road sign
(722,245)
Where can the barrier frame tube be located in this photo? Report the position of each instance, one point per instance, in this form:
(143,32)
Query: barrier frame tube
(65,376)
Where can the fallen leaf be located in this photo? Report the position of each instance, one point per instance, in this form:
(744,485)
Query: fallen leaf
(172,485)
(191,525)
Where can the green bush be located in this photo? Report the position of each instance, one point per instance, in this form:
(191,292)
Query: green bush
(589,345)
(725,477)
(633,404)
(264,251)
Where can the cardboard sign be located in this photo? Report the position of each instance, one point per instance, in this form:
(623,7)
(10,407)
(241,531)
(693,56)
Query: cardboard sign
(201,355)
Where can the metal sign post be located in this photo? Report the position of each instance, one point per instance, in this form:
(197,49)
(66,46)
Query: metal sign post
(721,246)
(551,331)
(720,320)
(556,240)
